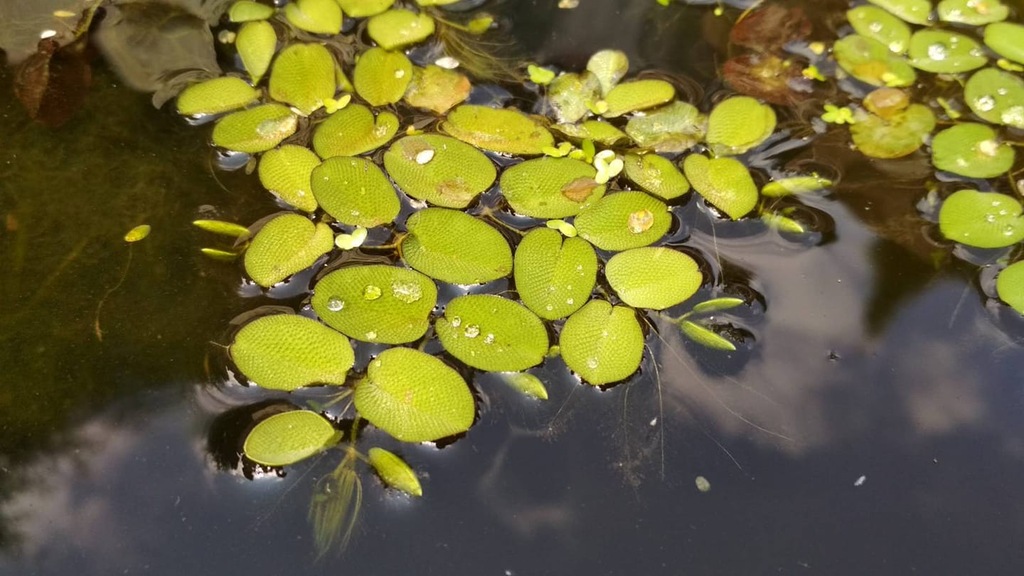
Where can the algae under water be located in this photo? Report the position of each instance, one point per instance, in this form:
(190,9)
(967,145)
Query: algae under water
(874,428)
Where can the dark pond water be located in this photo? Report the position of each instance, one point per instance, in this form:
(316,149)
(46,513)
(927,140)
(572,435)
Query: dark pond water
(876,427)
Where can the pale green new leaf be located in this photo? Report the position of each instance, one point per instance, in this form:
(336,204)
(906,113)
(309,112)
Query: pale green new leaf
(705,336)
(724,182)
(394,471)
(716,304)
(738,124)
(795,185)
(608,67)
(414,396)
(364,8)
(247,11)
(570,94)
(637,95)
(526,383)
(315,16)
(289,437)
(288,351)
(673,128)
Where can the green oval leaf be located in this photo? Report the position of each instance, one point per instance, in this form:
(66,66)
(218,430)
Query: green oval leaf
(498,130)
(981,219)
(315,16)
(287,351)
(705,336)
(1010,286)
(256,43)
(724,182)
(972,12)
(286,172)
(399,28)
(215,96)
(637,95)
(436,89)
(996,96)
(439,169)
(289,437)
(414,396)
(492,333)
(897,135)
(222,228)
(394,471)
(657,175)
(944,52)
(364,8)
(255,130)
(738,124)
(602,343)
(655,278)
(913,11)
(381,77)
(550,187)
(878,24)
(673,128)
(870,61)
(1006,39)
(624,220)
(716,304)
(303,77)
(376,303)
(248,11)
(353,130)
(455,247)
(355,191)
(285,245)
(554,276)
(972,150)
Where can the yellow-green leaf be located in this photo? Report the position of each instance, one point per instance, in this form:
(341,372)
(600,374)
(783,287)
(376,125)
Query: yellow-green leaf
(455,247)
(436,89)
(255,130)
(439,169)
(554,276)
(381,77)
(504,131)
(673,128)
(655,278)
(602,343)
(285,245)
(982,219)
(399,28)
(738,124)
(289,437)
(247,11)
(657,175)
(316,16)
(303,76)
(215,96)
(973,150)
(724,182)
(138,233)
(492,333)
(414,397)
(364,8)
(288,351)
(624,220)
(550,187)
(256,43)
(355,191)
(637,95)
(1010,286)
(394,471)
(285,171)
(526,383)
(354,130)
(376,302)
(705,336)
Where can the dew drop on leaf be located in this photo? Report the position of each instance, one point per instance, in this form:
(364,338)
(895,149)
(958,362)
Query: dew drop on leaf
(371,292)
